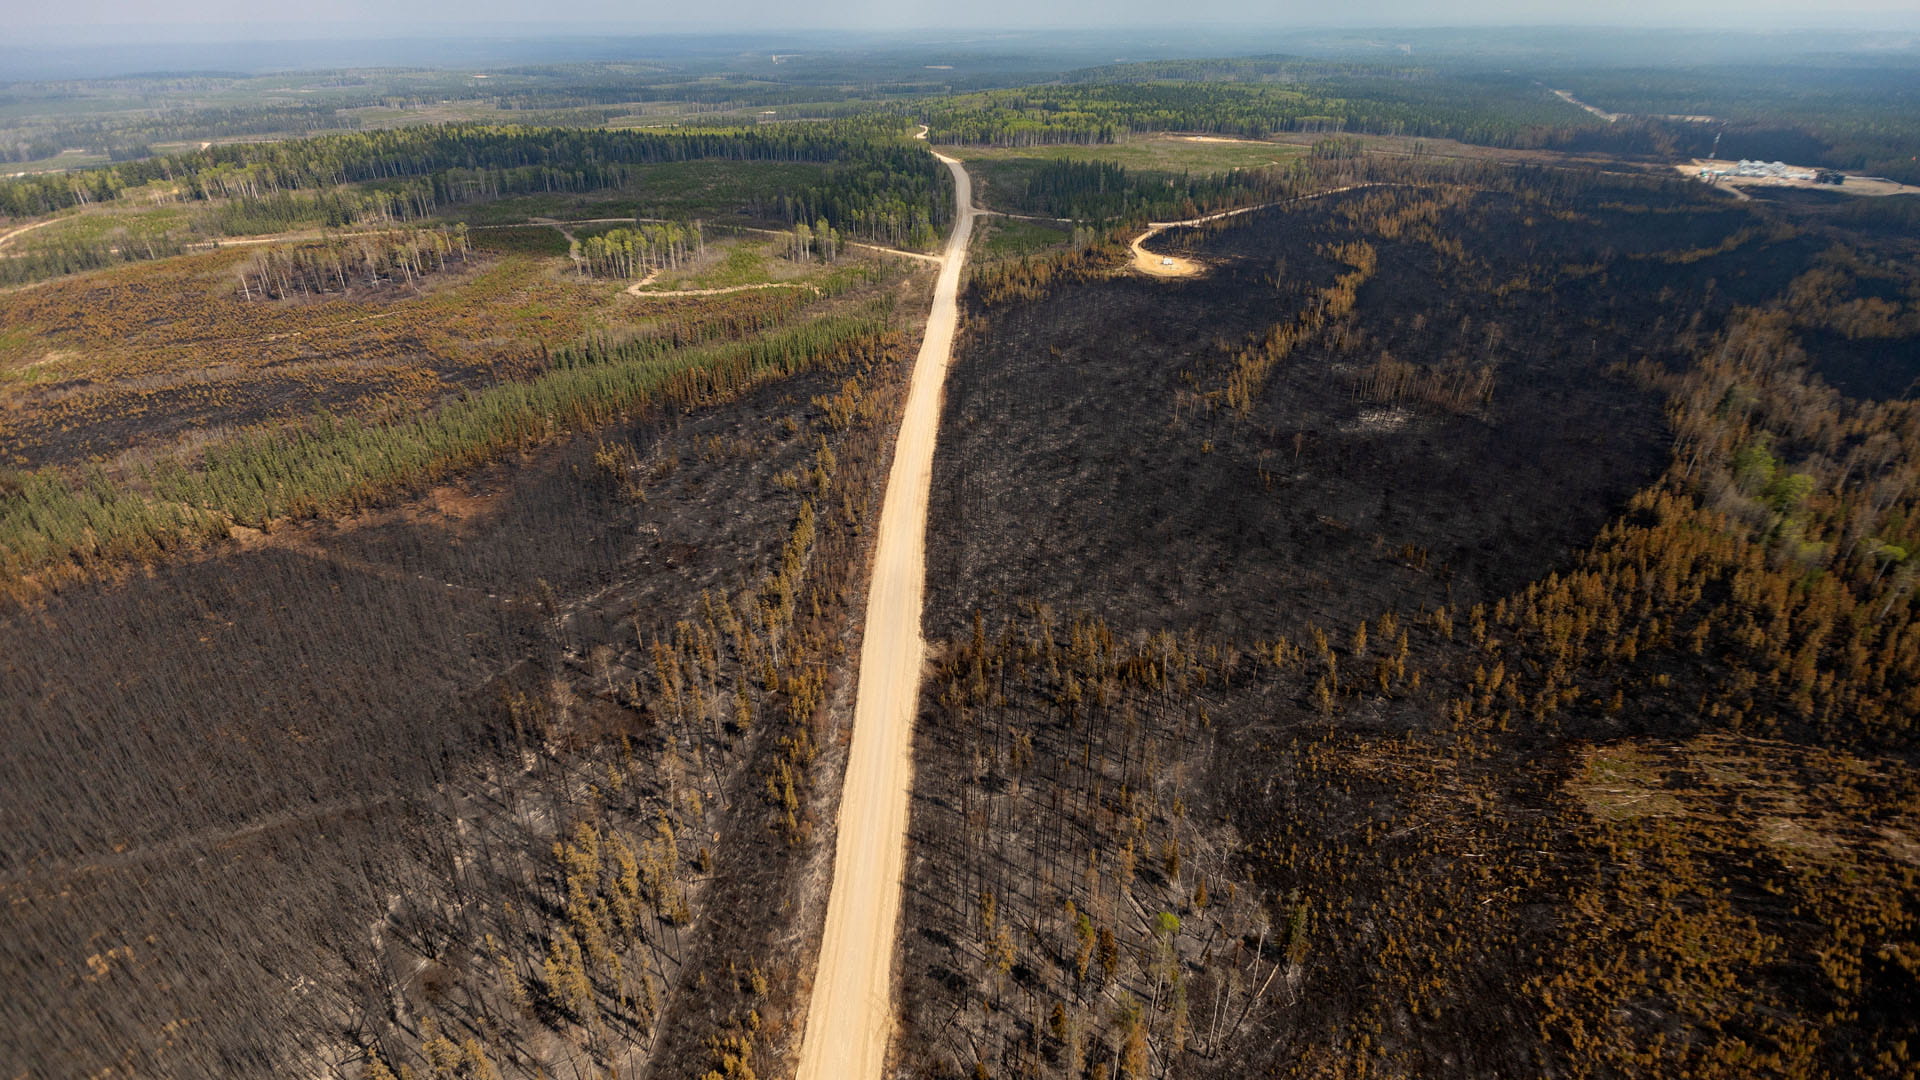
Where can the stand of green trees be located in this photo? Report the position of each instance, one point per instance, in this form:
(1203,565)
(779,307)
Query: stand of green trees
(334,465)
(465,161)
(44,259)
(632,253)
(873,185)
(339,262)
(1101,191)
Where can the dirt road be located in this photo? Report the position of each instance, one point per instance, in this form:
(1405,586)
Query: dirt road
(1147,262)
(10,234)
(850,1016)
(1609,117)
(1172,265)
(638,289)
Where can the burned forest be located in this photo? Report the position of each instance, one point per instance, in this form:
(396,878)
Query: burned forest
(1209,552)
(473,782)
(1465,632)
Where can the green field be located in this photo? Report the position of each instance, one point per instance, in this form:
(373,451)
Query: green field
(730,262)
(1007,238)
(65,159)
(97,223)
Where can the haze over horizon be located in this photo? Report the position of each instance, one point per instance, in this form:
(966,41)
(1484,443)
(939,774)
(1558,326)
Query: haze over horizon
(1005,540)
(128,21)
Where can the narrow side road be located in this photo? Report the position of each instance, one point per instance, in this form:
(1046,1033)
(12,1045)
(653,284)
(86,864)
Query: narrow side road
(850,1015)
(1146,262)
(11,233)
(1567,96)
(638,288)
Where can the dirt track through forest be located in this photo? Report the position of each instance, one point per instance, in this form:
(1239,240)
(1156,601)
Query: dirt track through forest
(1173,266)
(638,288)
(1567,96)
(850,1014)
(11,233)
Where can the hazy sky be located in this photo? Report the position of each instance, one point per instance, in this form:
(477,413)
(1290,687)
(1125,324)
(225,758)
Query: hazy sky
(136,19)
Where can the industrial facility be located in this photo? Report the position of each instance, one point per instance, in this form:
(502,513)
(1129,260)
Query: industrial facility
(1759,170)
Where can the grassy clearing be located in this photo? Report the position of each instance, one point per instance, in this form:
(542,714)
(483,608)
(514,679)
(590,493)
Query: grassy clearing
(65,159)
(49,369)
(14,342)
(739,261)
(98,223)
(733,261)
(1006,238)
(741,269)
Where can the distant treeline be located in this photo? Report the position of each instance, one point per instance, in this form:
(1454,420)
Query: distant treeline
(871,184)
(1101,191)
(1489,110)
(460,158)
(1858,118)
(122,139)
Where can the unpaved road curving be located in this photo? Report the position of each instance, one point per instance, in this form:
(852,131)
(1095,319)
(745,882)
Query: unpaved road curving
(636,289)
(10,234)
(1153,265)
(850,1015)
(1172,265)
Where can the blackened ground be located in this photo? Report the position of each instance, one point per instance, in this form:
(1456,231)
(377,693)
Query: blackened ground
(371,636)
(1076,470)
(233,784)
(1883,233)
(1883,369)
(1290,861)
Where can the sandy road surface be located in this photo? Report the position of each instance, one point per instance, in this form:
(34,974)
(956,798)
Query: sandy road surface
(11,233)
(638,288)
(1609,117)
(850,1016)
(1174,266)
